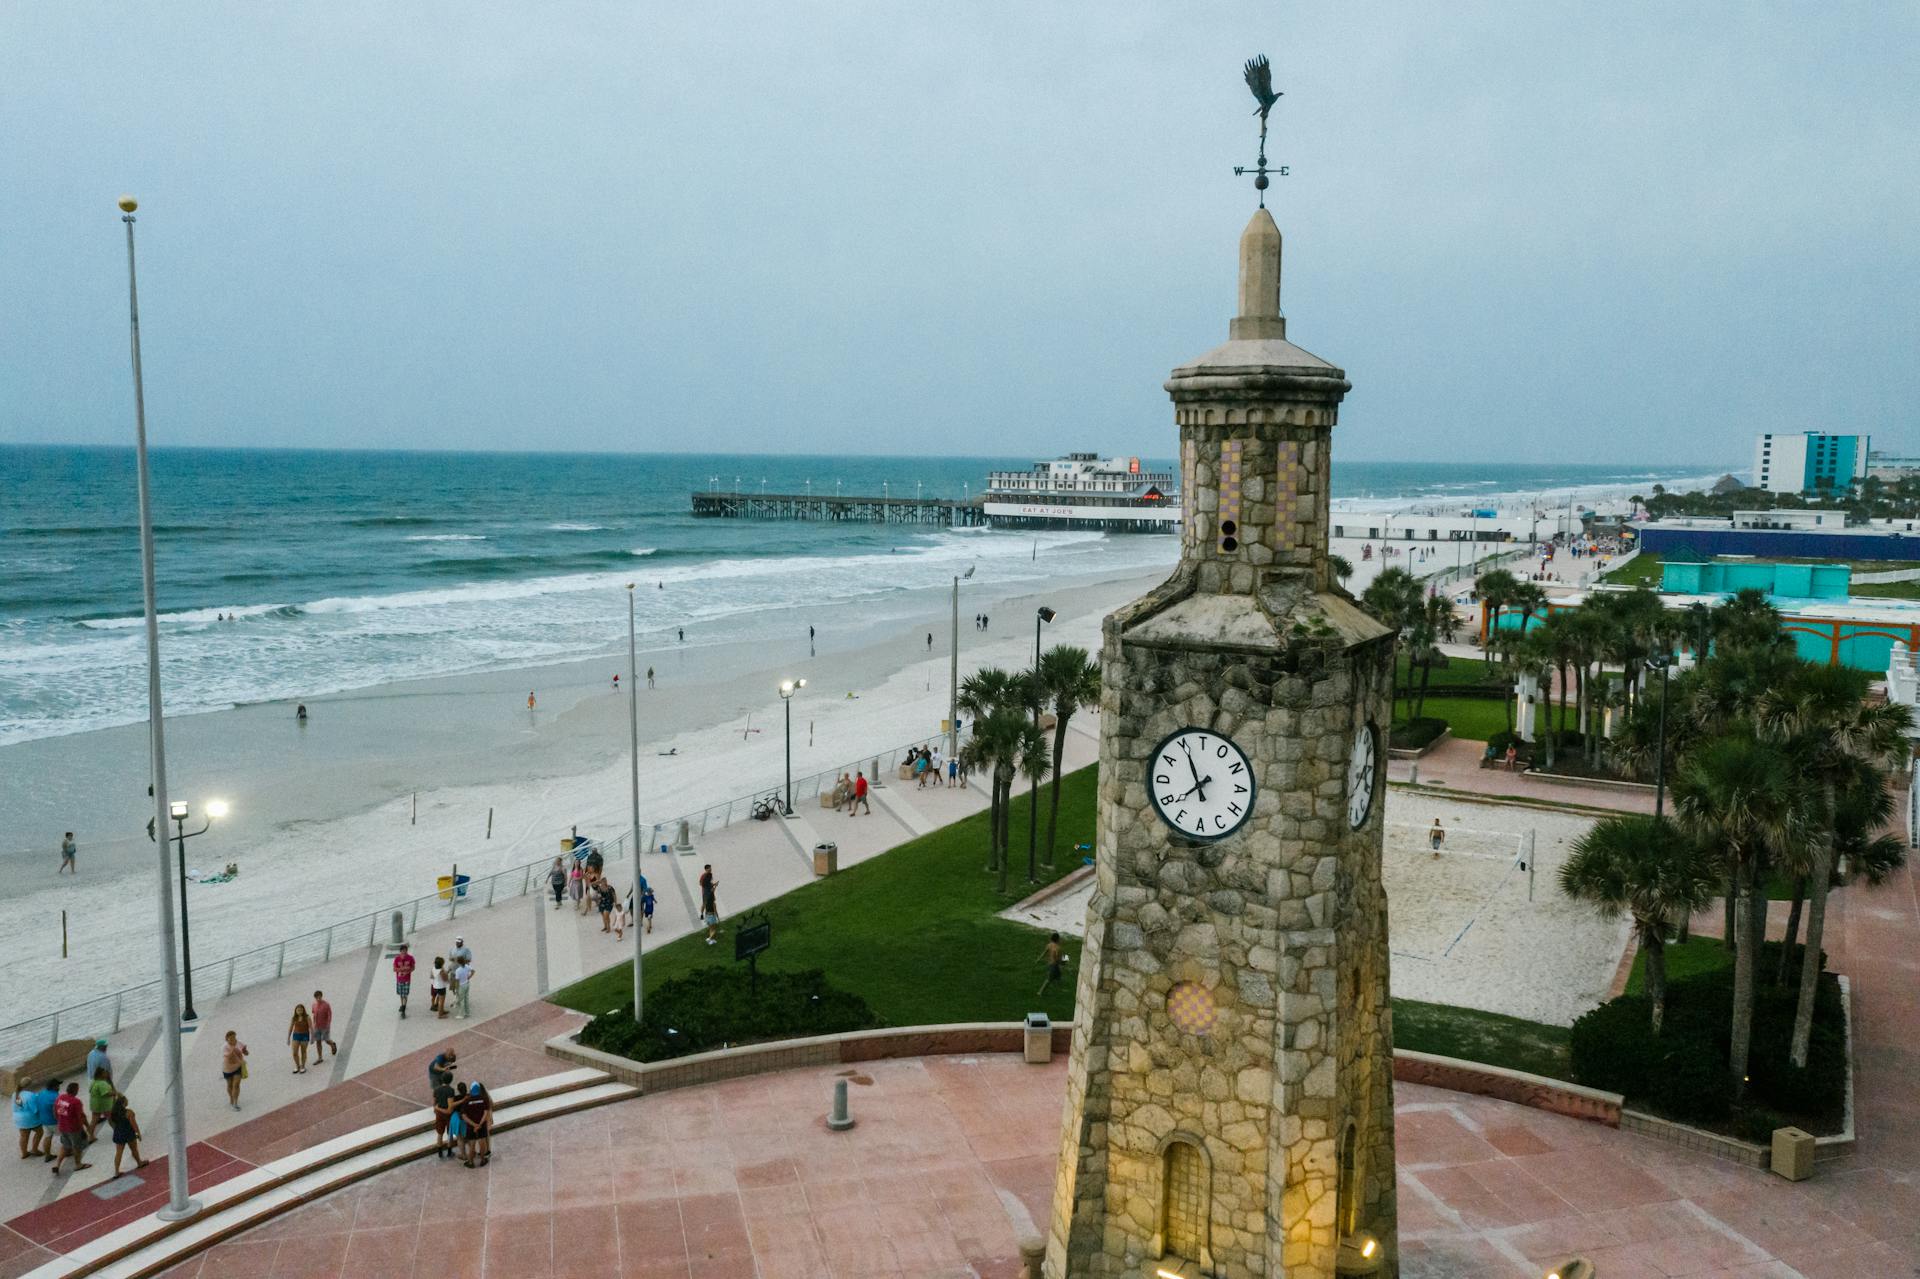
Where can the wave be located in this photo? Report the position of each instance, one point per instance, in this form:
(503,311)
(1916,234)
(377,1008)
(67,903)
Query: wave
(576,528)
(91,530)
(393,521)
(447,537)
(644,550)
(193,615)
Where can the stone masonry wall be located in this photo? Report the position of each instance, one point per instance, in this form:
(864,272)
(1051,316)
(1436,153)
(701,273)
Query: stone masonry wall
(1281,927)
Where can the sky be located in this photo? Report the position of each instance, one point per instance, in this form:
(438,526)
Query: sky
(1528,232)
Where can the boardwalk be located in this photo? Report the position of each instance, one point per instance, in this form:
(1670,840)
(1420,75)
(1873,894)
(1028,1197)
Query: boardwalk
(940,511)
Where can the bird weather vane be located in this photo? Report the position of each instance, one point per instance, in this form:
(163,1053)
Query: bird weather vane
(1259,77)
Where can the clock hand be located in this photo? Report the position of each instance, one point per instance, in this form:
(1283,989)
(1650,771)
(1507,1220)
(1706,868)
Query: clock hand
(1192,768)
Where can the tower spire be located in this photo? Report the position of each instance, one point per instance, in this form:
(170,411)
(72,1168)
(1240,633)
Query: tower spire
(1259,315)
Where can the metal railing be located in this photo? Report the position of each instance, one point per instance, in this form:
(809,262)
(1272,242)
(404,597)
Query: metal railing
(107,1014)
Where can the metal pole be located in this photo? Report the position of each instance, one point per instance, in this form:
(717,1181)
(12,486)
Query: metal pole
(1660,760)
(788,703)
(186,932)
(633,729)
(179,1206)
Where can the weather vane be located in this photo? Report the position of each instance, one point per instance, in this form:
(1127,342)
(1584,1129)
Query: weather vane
(1260,81)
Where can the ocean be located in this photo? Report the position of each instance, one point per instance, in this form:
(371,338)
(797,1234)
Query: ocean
(344,570)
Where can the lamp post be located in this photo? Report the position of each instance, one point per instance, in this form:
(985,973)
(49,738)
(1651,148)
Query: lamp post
(1041,616)
(1660,662)
(177,811)
(178,1206)
(633,730)
(953,670)
(788,687)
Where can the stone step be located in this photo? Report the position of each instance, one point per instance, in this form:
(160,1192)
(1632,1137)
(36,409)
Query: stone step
(149,1246)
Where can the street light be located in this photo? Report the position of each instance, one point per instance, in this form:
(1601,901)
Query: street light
(788,687)
(953,671)
(178,1207)
(177,812)
(633,728)
(1660,662)
(1043,614)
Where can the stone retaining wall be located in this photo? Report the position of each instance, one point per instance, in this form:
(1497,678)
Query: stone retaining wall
(1537,1091)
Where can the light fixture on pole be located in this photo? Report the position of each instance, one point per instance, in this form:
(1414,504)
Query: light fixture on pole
(1660,662)
(953,671)
(633,729)
(178,1206)
(1042,615)
(788,688)
(177,811)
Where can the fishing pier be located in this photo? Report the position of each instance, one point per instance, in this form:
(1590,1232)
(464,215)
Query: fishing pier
(937,511)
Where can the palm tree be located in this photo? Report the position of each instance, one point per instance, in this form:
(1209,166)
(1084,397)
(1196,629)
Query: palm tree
(1529,600)
(983,696)
(1496,592)
(1742,796)
(1341,567)
(1435,624)
(1072,680)
(1034,761)
(1393,597)
(1649,869)
(998,747)
(1823,720)
(1748,620)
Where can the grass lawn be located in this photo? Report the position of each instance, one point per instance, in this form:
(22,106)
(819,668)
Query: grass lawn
(1473,718)
(914,932)
(1472,1035)
(1642,570)
(1459,672)
(1887,590)
(1684,959)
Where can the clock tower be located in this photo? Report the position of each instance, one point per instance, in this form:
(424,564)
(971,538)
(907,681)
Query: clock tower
(1230,1097)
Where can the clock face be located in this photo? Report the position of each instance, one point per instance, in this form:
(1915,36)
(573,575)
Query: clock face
(1201,783)
(1362,776)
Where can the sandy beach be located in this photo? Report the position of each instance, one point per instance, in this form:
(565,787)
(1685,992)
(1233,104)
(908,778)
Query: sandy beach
(324,824)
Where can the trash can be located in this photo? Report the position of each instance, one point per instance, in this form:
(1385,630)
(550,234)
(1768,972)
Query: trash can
(1039,1045)
(826,857)
(1793,1153)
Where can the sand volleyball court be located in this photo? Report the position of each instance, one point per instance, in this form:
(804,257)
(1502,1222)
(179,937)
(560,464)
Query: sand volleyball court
(1483,924)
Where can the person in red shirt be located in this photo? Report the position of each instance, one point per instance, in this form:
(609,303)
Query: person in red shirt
(70,1118)
(860,795)
(403,964)
(322,1029)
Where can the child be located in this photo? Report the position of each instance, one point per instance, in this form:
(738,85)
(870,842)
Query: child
(1055,958)
(437,988)
(646,905)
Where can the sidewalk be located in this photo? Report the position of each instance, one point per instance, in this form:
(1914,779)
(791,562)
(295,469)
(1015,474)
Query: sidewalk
(523,949)
(1454,766)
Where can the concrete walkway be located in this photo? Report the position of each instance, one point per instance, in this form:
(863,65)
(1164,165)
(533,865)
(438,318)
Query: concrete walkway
(523,948)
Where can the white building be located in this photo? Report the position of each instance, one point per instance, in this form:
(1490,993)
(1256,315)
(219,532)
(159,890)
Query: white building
(1809,461)
(1790,519)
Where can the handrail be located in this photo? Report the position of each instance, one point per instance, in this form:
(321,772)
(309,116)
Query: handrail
(107,1014)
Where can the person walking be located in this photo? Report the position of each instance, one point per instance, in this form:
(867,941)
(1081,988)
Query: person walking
(463,989)
(604,901)
(576,885)
(710,903)
(929,641)
(403,966)
(646,904)
(649,677)
(557,881)
(233,1066)
(68,852)
(299,1035)
(97,1059)
(953,770)
(26,1119)
(860,799)
(530,701)
(1054,956)
(70,1119)
(1436,836)
(124,1127)
(322,1013)
(100,1095)
(45,1113)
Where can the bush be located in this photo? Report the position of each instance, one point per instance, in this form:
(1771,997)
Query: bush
(716,1007)
(1415,734)
(1682,1073)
